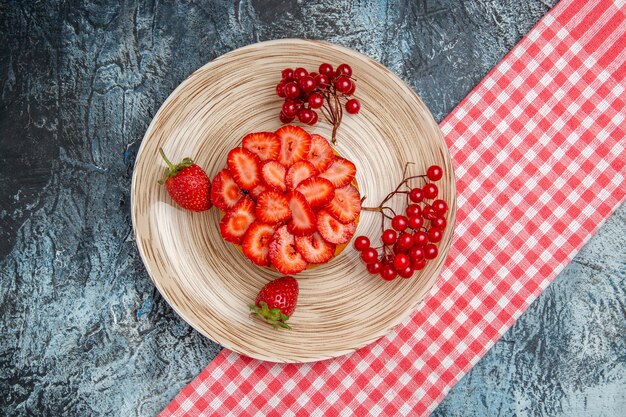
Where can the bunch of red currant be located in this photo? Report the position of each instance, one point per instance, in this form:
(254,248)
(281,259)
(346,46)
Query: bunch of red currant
(305,92)
(412,239)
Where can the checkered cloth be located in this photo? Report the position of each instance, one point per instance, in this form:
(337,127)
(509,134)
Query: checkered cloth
(539,151)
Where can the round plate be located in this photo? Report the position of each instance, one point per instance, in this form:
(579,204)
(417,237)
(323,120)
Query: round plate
(207,281)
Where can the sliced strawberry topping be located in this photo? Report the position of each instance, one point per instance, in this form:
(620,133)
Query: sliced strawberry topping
(255,244)
(314,249)
(317,191)
(302,216)
(224,190)
(244,166)
(256,191)
(340,172)
(346,205)
(236,221)
(273,174)
(321,154)
(295,144)
(272,207)
(298,172)
(265,145)
(283,253)
(332,230)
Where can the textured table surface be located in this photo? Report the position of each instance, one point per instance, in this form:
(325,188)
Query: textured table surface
(82,330)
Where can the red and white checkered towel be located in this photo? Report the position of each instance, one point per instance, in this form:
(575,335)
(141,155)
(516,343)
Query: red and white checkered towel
(539,151)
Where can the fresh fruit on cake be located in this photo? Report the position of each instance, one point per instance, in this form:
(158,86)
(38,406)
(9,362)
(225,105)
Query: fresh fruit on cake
(276,301)
(287,198)
(187,184)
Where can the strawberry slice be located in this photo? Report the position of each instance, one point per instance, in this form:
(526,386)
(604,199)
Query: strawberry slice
(302,216)
(244,166)
(314,249)
(346,205)
(256,191)
(317,191)
(273,173)
(283,253)
(321,154)
(332,230)
(236,221)
(265,145)
(298,172)
(272,207)
(224,190)
(255,243)
(295,144)
(340,172)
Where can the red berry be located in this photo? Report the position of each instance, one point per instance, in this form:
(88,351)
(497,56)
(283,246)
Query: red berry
(287,74)
(280,89)
(388,273)
(352,88)
(313,74)
(439,222)
(342,84)
(435,234)
(291,90)
(326,69)
(314,119)
(389,237)
(399,249)
(401,261)
(344,69)
(419,264)
(316,100)
(405,240)
(420,238)
(440,206)
(375,267)
(406,272)
(429,212)
(289,108)
(300,73)
(307,84)
(369,255)
(416,253)
(361,243)
(430,251)
(285,119)
(413,210)
(322,80)
(353,106)
(415,222)
(416,195)
(430,191)
(399,222)
(434,173)
(305,115)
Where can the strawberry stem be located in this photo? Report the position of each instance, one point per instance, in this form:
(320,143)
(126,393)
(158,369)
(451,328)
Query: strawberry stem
(167,161)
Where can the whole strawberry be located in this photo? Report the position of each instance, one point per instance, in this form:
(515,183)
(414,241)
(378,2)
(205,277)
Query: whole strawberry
(276,301)
(187,184)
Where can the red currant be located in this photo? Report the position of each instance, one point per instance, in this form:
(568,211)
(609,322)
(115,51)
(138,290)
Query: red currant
(399,249)
(353,106)
(342,84)
(352,88)
(289,108)
(430,251)
(291,90)
(439,222)
(406,272)
(429,212)
(415,222)
(313,74)
(314,119)
(305,115)
(416,253)
(375,267)
(401,261)
(316,100)
(287,74)
(344,69)
(430,191)
(435,234)
(280,89)
(420,238)
(300,73)
(361,243)
(322,80)
(399,222)
(307,84)
(413,210)
(419,264)
(388,273)
(434,173)
(369,255)
(440,206)
(389,237)
(405,240)
(416,195)
(326,69)
(285,119)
